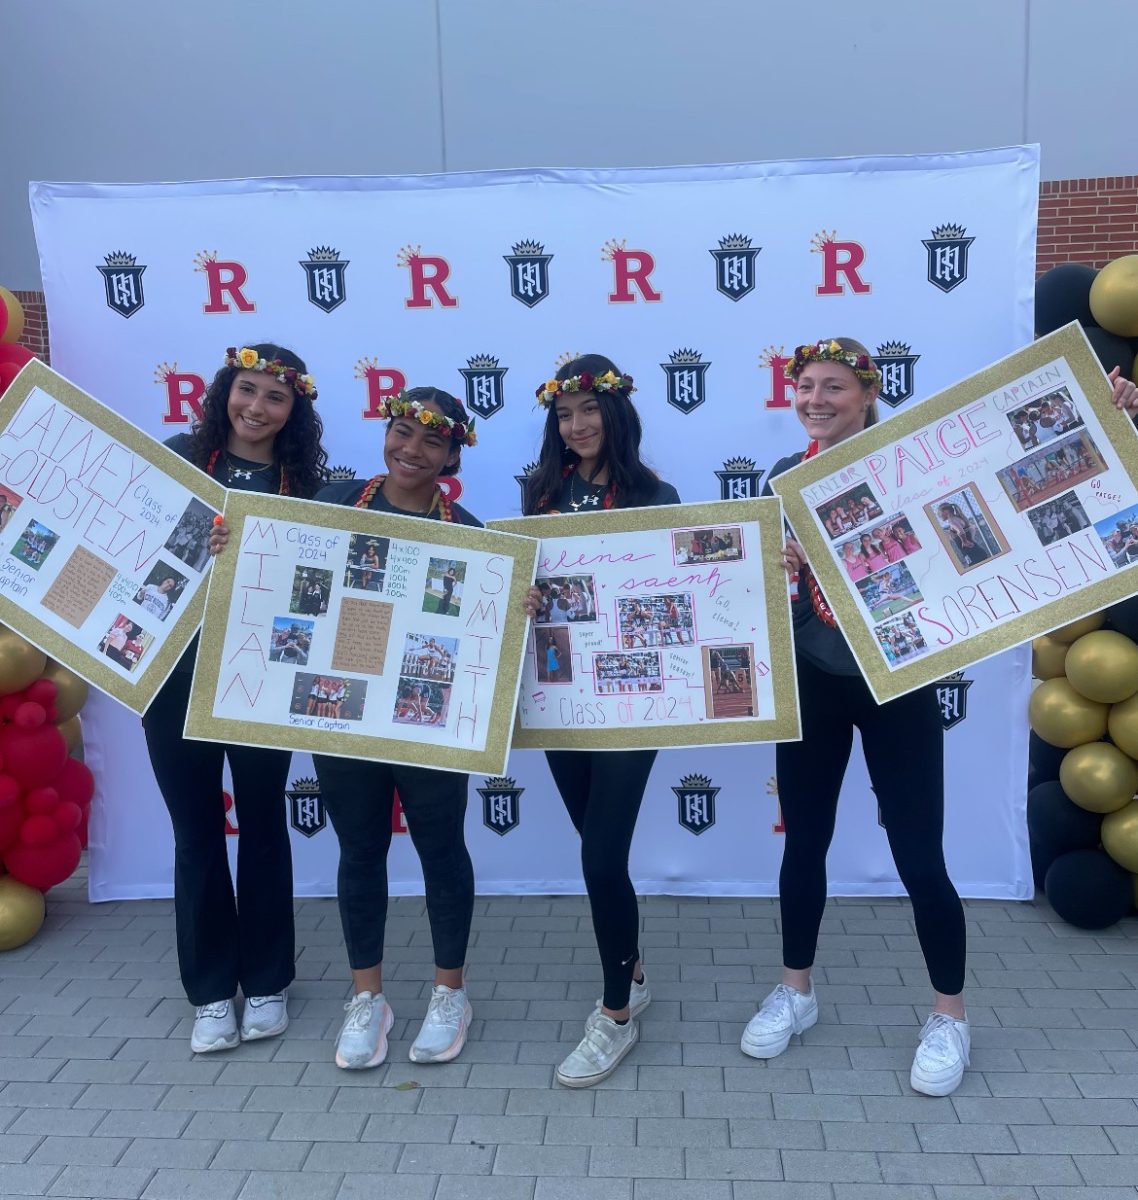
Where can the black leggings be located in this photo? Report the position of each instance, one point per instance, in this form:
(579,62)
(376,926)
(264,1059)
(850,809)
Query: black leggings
(602,791)
(224,942)
(903,742)
(359,798)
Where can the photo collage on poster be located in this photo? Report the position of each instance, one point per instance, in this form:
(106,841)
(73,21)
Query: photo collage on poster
(646,640)
(985,529)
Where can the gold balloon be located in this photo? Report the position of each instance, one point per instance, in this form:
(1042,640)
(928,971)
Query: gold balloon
(1047,657)
(1099,777)
(71,693)
(1114,296)
(11,318)
(72,734)
(1103,666)
(1120,836)
(1069,633)
(21,913)
(1062,717)
(20,662)
(1122,725)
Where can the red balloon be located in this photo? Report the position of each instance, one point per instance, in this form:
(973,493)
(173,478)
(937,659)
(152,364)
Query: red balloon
(82,830)
(10,704)
(44,866)
(8,372)
(11,818)
(9,790)
(42,691)
(33,756)
(30,715)
(38,830)
(75,783)
(67,817)
(12,352)
(41,800)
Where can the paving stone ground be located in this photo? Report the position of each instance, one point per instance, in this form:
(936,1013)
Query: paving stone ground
(101,1098)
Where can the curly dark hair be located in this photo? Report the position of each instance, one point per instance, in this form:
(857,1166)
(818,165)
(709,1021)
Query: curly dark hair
(297,448)
(635,481)
(449,406)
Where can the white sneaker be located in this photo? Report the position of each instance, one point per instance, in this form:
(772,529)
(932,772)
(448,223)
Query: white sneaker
(443,1033)
(362,1041)
(215,1027)
(938,1065)
(638,999)
(599,1052)
(263,1017)
(785,1012)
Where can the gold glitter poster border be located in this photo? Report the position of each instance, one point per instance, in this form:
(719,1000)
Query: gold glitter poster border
(242,507)
(767,515)
(1070,343)
(135,696)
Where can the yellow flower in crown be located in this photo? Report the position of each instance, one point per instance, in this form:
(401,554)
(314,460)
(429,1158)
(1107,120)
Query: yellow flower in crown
(835,348)
(551,385)
(426,417)
(609,378)
(248,358)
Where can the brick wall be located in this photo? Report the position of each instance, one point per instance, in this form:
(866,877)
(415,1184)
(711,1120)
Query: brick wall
(1080,220)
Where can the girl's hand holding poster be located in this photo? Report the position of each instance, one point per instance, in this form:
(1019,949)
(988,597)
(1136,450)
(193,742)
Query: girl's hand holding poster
(663,626)
(350,632)
(103,537)
(997,510)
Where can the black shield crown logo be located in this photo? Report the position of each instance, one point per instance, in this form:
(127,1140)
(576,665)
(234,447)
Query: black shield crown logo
(523,479)
(306,812)
(952,696)
(740,479)
(324,270)
(529,272)
(687,378)
(122,277)
(895,361)
(500,804)
(735,266)
(948,256)
(485,392)
(696,800)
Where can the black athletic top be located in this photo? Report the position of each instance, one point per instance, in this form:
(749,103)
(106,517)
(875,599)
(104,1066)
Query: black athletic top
(348,491)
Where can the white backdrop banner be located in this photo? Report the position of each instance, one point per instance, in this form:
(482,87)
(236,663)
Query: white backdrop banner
(698,281)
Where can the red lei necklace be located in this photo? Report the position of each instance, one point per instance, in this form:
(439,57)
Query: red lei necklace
(822,610)
(446,510)
(211,463)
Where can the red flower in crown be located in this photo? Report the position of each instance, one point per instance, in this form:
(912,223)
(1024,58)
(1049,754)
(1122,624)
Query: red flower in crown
(290,374)
(586,381)
(458,432)
(231,352)
(628,382)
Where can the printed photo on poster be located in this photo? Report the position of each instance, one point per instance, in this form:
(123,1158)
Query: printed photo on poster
(311,591)
(637,671)
(1058,518)
(887,542)
(729,687)
(900,639)
(664,620)
(421,702)
(889,592)
(694,546)
(331,696)
(427,656)
(553,647)
(1047,472)
(34,545)
(9,502)
(126,642)
(189,539)
(967,530)
(566,598)
(849,511)
(367,562)
(1046,419)
(1119,536)
(291,641)
(443,594)
(161,590)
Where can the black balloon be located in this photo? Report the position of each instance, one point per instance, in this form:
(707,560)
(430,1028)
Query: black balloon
(1087,888)
(1123,617)
(1043,758)
(1056,825)
(1062,295)
(1112,350)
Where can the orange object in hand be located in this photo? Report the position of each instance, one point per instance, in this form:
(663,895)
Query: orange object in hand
(219,519)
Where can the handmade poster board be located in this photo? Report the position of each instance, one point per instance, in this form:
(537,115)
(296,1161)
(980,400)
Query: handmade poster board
(103,537)
(995,511)
(355,633)
(659,627)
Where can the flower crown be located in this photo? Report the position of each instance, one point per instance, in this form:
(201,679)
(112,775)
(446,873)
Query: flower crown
(861,364)
(250,360)
(610,381)
(400,406)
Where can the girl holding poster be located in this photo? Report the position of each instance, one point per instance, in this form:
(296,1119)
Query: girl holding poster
(426,431)
(259,432)
(589,461)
